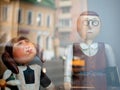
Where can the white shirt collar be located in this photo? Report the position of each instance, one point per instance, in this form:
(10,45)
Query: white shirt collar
(86,46)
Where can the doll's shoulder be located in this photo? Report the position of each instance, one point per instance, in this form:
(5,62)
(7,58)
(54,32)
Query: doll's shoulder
(69,48)
(110,55)
(7,74)
(108,47)
(35,66)
(71,45)
(36,61)
(105,45)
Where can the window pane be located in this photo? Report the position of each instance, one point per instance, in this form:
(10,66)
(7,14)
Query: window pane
(20,16)
(39,20)
(65,9)
(29,18)
(48,21)
(65,23)
(4,13)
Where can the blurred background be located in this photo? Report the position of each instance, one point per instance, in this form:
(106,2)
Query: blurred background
(51,24)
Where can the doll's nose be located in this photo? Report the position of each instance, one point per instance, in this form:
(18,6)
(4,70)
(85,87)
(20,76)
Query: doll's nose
(27,47)
(89,26)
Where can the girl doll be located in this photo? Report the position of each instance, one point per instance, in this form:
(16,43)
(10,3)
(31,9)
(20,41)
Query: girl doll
(21,75)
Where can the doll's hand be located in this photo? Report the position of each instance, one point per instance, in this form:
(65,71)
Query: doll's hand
(2,83)
(67,86)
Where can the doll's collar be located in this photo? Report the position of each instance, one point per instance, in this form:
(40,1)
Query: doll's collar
(86,46)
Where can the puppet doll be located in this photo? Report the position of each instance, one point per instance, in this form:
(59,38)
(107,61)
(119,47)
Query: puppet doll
(90,65)
(21,75)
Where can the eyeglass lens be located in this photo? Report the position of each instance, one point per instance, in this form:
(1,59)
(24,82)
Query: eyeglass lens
(91,22)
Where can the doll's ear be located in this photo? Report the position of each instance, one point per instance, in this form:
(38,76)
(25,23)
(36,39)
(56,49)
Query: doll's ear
(40,53)
(10,63)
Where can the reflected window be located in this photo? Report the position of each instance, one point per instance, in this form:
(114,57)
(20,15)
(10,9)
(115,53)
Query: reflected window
(29,18)
(65,22)
(40,41)
(48,21)
(48,43)
(20,16)
(4,13)
(65,9)
(39,19)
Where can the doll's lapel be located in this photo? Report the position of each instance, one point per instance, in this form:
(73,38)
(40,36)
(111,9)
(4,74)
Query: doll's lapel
(29,76)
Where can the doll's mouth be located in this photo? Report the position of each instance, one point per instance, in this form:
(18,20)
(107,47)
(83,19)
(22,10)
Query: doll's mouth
(89,31)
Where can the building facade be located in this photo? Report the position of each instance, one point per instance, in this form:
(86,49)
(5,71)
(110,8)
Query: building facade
(31,18)
(67,13)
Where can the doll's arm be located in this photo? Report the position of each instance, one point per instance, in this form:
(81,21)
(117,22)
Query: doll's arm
(110,56)
(46,82)
(112,70)
(9,81)
(68,68)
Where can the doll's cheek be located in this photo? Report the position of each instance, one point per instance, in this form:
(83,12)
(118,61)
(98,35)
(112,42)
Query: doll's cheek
(18,53)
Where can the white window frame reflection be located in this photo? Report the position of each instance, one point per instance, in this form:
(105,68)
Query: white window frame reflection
(48,20)
(39,19)
(40,41)
(48,43)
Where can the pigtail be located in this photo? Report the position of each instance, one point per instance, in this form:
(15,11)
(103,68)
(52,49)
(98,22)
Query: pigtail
(10,63)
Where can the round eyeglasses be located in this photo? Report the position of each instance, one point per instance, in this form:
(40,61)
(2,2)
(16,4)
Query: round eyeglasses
(91,22)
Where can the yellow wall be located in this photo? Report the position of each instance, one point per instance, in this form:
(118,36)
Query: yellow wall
(11,25)
(34,29)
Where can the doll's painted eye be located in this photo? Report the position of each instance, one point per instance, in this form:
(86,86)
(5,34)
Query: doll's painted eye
(85,22)
(95,23)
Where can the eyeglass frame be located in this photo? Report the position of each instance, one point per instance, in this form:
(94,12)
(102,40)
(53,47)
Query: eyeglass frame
(91,21)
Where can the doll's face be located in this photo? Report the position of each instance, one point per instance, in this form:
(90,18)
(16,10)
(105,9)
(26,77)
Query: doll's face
(24,52)
(88,27)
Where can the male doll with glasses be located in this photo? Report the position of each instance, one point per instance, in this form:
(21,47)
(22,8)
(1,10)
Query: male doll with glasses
(90,65)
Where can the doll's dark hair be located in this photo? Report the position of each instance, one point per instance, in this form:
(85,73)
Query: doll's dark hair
(85,13)
(7,56)
(92,13)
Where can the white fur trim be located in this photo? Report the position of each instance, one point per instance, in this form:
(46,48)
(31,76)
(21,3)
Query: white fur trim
(13,82)
(6,88)
(7,74)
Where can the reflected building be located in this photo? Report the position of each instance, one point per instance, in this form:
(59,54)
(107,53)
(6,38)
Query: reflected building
(8,25)
(31,18)
(67,12)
